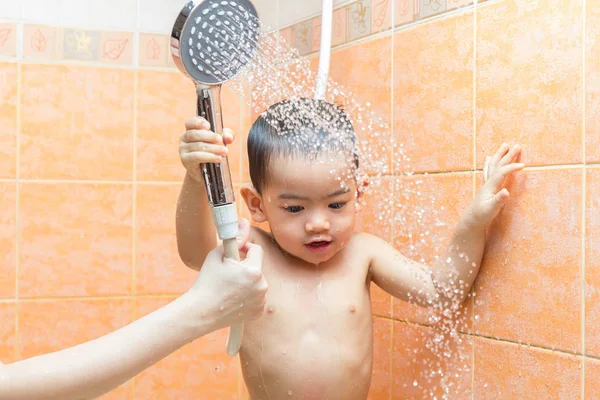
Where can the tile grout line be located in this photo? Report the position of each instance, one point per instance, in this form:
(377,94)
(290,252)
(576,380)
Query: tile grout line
(98,64)
(474,181)
(17,208)
(393,170)
(134,185)
(114,297)
(91,182)
(584,197)
(414,175)
(561,352)
(134,213)
(18,185)
(136,73)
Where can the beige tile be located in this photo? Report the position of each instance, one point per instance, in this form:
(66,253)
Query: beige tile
(42,42)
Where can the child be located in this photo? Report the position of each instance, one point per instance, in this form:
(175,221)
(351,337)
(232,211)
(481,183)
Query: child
(91,369)
(315,339)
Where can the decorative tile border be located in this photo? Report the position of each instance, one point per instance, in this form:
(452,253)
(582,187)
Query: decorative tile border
(358,20)
(354,21)
(339,27)
(42,42)
(8,39)
(363,18)
(52,43)
(154,50)
(381,15)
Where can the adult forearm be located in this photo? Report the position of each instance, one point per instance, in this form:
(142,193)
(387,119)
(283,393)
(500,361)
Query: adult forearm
(196,234)
(96,367)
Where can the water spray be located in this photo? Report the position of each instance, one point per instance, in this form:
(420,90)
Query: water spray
(325,52)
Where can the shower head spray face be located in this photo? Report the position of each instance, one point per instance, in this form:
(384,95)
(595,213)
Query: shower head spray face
(213,40)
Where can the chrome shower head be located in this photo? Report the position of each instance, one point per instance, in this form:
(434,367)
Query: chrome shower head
(213,40)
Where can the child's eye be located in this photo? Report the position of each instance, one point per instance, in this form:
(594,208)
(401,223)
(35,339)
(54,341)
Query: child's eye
(337,206)
(293,209)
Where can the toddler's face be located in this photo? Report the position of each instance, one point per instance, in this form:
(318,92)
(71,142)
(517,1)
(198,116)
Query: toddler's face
(311,206)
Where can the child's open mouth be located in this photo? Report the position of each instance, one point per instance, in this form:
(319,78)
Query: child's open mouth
(321,246)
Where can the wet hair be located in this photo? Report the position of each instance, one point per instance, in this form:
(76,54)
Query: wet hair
(298,127)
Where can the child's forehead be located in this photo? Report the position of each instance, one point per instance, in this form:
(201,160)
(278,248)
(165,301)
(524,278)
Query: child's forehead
(321,172)
(332,162)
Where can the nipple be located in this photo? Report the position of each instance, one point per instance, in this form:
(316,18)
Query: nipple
(352,309)
(270,310)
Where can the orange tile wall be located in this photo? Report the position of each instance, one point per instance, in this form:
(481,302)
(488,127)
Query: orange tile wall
(89,176)
(455,88)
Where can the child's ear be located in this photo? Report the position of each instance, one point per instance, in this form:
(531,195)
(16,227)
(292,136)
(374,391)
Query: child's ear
(254,203)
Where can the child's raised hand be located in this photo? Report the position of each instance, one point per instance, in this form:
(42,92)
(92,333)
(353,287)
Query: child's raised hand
(198,145)
(493,195)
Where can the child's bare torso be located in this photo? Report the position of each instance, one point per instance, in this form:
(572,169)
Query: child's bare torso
(315,339)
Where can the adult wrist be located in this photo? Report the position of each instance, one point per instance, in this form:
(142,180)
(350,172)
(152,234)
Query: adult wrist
(197,315)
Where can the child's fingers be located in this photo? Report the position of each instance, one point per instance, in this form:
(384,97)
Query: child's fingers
(511,156)
(192,161)
(197,123)
(228,136)
(196,136)
(206,148)
(511,168)
(502,150)
(501,173)
(500,198)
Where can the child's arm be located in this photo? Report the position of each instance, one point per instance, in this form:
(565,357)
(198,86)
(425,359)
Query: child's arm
(196,233)
(450,281)
(225,293)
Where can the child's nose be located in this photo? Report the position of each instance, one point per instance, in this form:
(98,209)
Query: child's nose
(317,224)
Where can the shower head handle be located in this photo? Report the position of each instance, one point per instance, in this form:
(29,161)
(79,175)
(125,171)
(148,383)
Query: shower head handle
(217,177)
(209,97)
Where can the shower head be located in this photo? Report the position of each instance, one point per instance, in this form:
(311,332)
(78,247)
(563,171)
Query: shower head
(213,40)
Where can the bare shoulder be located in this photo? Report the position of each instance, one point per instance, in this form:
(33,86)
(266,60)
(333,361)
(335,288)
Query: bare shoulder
(365,244)
(259,236)
(365,241)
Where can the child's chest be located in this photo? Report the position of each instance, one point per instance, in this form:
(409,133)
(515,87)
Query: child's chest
(315,308)
(315,334)
(337,290)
